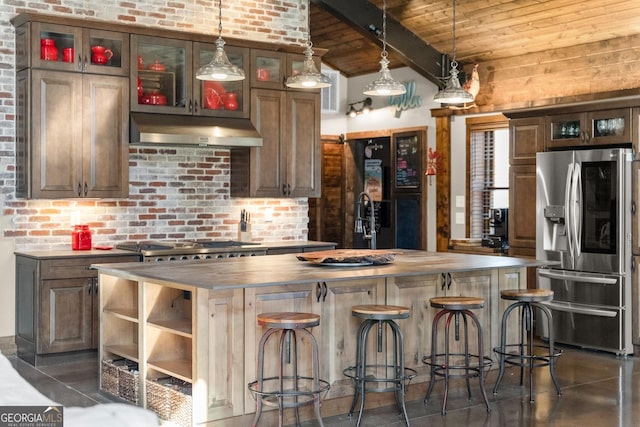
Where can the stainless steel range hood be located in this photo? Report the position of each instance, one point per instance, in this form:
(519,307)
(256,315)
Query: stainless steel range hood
(168,129)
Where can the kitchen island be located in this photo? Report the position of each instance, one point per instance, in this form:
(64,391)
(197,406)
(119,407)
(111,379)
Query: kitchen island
(196,321)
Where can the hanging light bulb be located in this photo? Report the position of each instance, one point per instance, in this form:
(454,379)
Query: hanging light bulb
(310,78)
(220,68)
(384,85)
(453,92)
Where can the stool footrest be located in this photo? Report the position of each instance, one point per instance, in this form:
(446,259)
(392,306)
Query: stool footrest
(439,365)
(409,374)
(517,359)
(291,398)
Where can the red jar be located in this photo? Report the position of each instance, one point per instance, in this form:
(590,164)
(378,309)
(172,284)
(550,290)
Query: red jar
(81,238)
(48,50)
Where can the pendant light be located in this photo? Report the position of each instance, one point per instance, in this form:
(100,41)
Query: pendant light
(220,68)
(310,78)
(453,92)
(384,85)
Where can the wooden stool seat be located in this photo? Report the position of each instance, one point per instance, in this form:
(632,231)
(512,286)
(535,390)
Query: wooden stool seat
(528,295)
(288,320)
(378,311)
(457,303)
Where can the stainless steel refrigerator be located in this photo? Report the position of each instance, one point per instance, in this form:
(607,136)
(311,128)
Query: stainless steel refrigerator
(583,222)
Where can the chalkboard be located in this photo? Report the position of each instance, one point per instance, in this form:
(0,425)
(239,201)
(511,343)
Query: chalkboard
(407,163)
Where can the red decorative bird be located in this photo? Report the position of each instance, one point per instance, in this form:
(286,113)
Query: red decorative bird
(473,84)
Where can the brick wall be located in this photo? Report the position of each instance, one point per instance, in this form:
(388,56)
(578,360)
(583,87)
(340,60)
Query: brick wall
(178,192)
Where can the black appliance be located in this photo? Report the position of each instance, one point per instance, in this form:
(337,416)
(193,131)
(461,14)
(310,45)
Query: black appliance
(498,229)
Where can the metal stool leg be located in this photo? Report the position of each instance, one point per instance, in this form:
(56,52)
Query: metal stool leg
(552,357)
(398,345)
(434,341)
(363,367)
(260,372)
(480,356)
(503,345)
(316,374)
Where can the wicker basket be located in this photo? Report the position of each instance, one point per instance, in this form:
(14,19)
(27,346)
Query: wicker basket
(120,379)
(129,382)
(110,377)
(171,400)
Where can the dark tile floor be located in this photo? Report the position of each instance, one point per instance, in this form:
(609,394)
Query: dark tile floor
(599,389)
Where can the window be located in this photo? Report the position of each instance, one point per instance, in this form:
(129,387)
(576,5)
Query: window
(487,172)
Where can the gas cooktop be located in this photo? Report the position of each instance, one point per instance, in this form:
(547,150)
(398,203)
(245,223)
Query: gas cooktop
(178,245)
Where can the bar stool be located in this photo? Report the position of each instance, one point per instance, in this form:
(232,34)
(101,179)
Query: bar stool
(379,378)
(472,365)
(289,389)
(525,355)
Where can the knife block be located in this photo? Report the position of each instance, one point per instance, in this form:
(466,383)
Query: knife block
(244,236)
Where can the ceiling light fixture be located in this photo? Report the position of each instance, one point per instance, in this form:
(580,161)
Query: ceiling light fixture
(453,92)
(310,78)
(384,85)
(220,68)
(365,109)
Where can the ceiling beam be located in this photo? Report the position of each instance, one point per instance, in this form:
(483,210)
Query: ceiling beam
(413,51)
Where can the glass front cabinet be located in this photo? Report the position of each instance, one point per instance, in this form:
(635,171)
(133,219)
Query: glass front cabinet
(590,128)
(165,74)
(67,48)
(270,69)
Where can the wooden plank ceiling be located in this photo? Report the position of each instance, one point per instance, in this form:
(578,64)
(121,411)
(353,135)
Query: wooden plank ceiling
(548,36)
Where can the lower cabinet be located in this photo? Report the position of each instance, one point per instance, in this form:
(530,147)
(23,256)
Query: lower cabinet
(57,304)
(207,341)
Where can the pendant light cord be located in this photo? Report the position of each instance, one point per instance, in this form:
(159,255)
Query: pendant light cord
(454,63)
(219,18)
(384,29)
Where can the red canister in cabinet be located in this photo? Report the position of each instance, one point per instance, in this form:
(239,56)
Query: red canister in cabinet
(81,238)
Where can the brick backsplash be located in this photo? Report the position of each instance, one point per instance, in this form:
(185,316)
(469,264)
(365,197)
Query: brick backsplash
(175,193)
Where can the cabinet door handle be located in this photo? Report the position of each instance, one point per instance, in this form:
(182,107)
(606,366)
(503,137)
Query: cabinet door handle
(443,281)
(449,281)
(288,189)
(79,62)
(79,189)
(86,189)
(195,106)
(284,189)
(90,285)
(633,207)
(318,291)
(326,289)
(95,285)
(85,64)
(190,106)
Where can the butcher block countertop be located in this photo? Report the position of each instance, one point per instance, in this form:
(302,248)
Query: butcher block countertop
(288,269)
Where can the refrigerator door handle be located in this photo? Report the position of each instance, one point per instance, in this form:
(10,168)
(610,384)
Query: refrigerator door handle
(572,308)
(577,206)
(567,210)
(577,277)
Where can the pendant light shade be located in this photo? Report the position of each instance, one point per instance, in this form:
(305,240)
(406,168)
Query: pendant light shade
(384,85)
(453,92)
(220,68)
(310,78)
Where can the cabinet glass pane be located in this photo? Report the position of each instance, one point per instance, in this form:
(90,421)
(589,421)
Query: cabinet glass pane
(221,95)
(609,127)
(52,45)
(105,51)
(568,129)
(161,70)
(268,69)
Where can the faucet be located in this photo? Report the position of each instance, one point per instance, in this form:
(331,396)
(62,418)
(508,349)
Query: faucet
(359,227)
